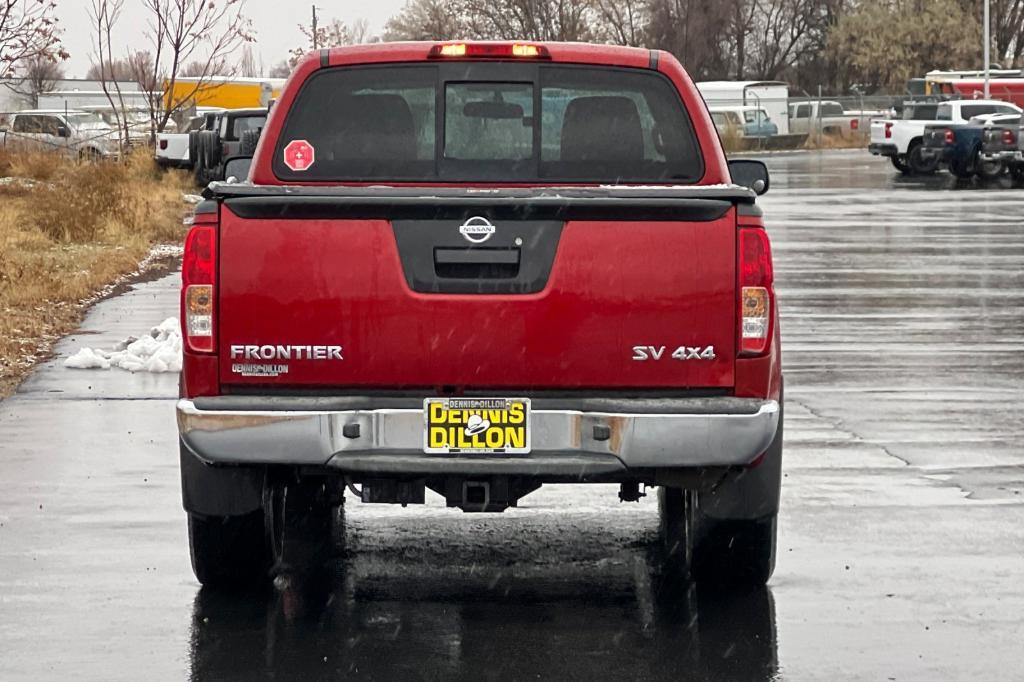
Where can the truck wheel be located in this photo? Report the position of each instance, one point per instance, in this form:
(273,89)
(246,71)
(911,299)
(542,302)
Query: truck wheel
(675,518)
(212,149)
(899,162)
(961,169)
(193,148)
(987,170)
(735,552)
(228,550)
(730,552)
(1017,172)
(919,165)
(727,537)
(199,163)
(303,524)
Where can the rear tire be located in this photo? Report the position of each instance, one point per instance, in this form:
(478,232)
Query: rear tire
(193,148)
(199,163)
(735,547)
(736,552)
(919,165)
(730,553)
(304,525)
(1017,172)
(229,551)
(961,169)
(987,170)
(899,162)
(675,517)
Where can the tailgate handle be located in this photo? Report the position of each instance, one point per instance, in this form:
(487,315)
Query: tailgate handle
(476,263)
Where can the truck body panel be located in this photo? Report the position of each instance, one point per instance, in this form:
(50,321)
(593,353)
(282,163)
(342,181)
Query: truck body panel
(577,330)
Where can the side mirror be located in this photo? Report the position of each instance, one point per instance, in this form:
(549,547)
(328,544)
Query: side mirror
(63,131)
(236,168)
(750,174)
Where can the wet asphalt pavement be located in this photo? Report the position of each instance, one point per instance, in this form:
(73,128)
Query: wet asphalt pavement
(901,550)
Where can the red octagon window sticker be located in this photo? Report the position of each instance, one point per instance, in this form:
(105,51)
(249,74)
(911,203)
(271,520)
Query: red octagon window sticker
(299,155)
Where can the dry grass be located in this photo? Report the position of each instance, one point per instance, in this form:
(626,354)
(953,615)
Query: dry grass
(737,143)
(843,141)
(63,237)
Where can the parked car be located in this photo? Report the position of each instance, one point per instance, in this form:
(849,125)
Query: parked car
(174,150)
(828,117)
(235,132)
(1004,143)
(743,121)
(77,133)
(394,301)
(135,120)
(954,142)
(900,139)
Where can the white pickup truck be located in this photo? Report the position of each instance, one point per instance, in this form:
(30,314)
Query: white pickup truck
(902,139)
(74,133)
(828,117)
(172,149)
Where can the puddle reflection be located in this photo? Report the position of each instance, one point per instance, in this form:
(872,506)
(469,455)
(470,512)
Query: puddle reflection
(572,624)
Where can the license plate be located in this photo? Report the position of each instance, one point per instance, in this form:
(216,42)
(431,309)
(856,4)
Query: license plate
(476,425)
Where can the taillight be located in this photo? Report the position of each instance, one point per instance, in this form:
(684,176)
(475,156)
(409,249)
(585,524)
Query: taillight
(854,124)
(888,131)
(756,291)
(489,51)
(198,285)
(1009,138)
(163,144)
(949,136)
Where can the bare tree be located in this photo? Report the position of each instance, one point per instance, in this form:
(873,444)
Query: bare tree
(331,34)
(104,15)
(1007,30)
(695,31)
(38,76)
(559,20)
(622,22)
(200,33)
(249,65)
(427,20)
(29,35)
(280,70)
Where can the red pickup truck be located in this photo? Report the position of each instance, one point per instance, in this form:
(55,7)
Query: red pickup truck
(478,268)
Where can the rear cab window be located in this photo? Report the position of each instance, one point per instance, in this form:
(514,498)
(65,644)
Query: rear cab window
(491,122)
(971,111)
(238,125)
(920,112)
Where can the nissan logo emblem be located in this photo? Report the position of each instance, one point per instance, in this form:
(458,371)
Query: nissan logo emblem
(477,230)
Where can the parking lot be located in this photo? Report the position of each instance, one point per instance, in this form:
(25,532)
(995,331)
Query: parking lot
(901,550)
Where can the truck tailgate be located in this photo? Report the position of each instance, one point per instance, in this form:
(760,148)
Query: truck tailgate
(878,128)
(558,300)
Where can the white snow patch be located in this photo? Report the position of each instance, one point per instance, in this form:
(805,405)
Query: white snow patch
(158,351)
(24,183)
(191,198)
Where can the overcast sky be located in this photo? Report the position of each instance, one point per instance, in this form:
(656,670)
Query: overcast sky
(275,22)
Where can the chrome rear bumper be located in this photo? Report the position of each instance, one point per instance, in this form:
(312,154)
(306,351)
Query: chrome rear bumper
(699,432)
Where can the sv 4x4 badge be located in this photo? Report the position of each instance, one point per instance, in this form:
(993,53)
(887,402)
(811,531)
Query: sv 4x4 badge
(642,353)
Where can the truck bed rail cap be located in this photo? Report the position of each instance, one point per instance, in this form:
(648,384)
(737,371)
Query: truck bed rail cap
(731,193)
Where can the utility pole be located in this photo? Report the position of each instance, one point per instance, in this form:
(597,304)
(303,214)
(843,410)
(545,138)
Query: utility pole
(987,41)
(315,46)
